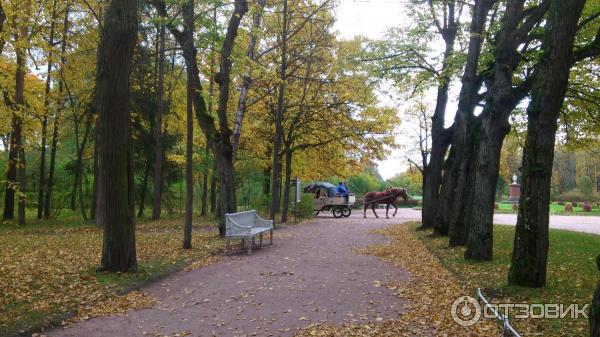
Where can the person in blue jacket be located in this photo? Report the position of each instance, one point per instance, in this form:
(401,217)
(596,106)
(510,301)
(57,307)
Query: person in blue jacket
(343,190)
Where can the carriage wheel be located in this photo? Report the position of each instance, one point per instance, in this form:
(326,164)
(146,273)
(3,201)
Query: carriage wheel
(346,212)
(338,212)
(316,213)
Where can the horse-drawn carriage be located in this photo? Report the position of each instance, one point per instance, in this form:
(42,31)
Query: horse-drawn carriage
(327,198)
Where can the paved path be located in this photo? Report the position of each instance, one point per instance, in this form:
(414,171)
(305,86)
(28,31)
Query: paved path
(311,274)
(576,223)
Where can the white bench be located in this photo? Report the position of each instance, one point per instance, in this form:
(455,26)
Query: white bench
(247,226)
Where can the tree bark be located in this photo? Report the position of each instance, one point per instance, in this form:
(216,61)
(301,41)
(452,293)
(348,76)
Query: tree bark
(286,187)
(453,183)
(56,124)
(500,99)
(42,182)
(189,180)
(158,126)
(205,182)
(530,249)
(144,190)
(246,78)
(276,168)
(440,137)
(213,189)
(115,207)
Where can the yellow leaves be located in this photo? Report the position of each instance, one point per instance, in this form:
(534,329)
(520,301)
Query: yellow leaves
(429,294)
(117,305)
(48,270)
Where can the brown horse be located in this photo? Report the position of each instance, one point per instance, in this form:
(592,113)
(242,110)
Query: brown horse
(388,198)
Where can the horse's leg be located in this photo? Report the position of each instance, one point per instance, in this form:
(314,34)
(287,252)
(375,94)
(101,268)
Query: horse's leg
(395,209)
(365,209)
(373,208)
(387,209)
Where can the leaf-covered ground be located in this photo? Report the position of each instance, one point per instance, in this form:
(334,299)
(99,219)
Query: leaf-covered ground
(571,277)
(46,271)
(429,295)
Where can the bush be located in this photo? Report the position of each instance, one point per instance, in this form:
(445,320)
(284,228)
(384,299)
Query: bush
(515,207)
(496,206)
(568,208)
(587,207)
(575,204)
(561,203)
(570,196)
(306,205)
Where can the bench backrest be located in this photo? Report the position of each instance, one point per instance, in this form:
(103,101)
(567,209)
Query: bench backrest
(247,218)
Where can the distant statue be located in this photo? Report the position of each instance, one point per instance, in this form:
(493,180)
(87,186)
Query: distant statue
(514,179)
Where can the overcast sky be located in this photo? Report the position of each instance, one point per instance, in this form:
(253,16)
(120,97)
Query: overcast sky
(370,18)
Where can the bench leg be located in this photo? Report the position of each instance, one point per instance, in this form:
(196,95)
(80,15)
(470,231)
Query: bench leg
(228,245)
(243,243)
(271,234)
(250,247)
(260,240)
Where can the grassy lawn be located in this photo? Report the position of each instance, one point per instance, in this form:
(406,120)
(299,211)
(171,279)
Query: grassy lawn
(572,275)
(507,207)
(48,268)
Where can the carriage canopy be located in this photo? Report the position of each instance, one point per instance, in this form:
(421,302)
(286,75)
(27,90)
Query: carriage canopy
(330,188)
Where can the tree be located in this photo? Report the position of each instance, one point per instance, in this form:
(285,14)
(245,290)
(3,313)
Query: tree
(219,138)
(452,190)
(595,308)
(115,199)
(530,249)
(440,137)
(158,126)
(189,176)
(500,99)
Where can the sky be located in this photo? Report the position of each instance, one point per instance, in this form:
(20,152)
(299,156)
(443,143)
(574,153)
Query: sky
(370,18)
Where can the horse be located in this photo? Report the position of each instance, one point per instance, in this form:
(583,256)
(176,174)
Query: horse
(388,198)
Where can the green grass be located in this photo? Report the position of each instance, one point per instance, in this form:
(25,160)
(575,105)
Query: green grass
(507,207)
(571,277)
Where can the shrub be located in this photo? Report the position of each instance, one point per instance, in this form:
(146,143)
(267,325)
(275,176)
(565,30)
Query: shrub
(515,207)
(573,195)
(568,208)
(575,204)
(561,203)
(587,207)
(496,206)
(306,205)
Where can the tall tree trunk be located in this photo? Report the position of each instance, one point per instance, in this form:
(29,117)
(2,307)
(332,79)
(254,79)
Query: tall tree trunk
(205,182)
(115,155)
(440,137)
(158,127)
(500,99)
(42,182)
(246,78)
(79,168)
(94,185)
(20,103)
(11,173)
(286,186)
(189,180)
(276,168)
(56,124)
(455,165)
(144,190)
(530,249)
(213,189)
